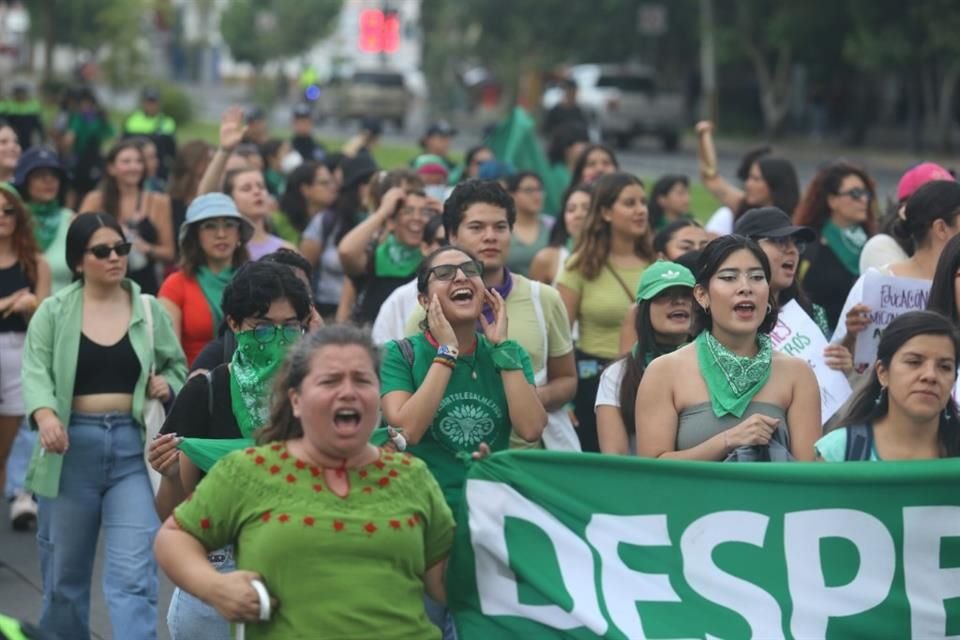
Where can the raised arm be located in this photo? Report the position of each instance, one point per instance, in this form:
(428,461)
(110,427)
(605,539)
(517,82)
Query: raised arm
(716,184)
(353,247)
(232,130)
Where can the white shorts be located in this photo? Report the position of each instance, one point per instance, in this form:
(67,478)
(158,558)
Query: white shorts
(11,361)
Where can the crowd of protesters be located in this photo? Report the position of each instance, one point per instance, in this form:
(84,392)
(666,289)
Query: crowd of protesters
(265,368)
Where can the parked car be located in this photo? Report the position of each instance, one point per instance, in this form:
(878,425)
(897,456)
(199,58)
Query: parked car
(366,94)
(623,101)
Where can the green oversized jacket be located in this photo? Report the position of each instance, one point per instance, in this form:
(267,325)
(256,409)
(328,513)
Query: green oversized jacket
(50,366)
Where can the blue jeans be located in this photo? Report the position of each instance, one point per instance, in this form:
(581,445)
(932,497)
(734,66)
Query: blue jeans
(440,616)
(19,460)
(104,484)
(189,617)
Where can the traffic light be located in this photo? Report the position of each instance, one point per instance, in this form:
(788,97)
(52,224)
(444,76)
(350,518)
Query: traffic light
(379,31)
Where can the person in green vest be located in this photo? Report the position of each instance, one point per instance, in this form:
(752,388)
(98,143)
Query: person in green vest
(11,629)
(24,114)
(150,122)
(39,177)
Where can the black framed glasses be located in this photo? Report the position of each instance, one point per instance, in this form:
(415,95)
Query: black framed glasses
(265,333)
(103,251)
(856,193)
(447,272)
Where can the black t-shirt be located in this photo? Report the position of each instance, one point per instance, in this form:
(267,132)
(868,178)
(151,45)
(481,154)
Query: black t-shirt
(217,352)
(190,416)
(13,279)
(827,282)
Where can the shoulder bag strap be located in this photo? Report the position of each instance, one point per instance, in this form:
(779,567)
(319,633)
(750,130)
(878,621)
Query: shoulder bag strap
(148,317)
(626,289)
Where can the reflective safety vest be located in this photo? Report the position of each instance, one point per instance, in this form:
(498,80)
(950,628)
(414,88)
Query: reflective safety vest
(10,629)
(26,108)
(141,124)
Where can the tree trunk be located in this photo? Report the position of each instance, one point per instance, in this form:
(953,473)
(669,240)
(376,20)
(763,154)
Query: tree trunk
(775,87)
(945,111)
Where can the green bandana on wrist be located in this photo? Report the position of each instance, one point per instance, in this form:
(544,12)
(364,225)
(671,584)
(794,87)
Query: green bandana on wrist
(205,452)
(396,260)
(252,370)
(846,244)
(46,222)
(507,356)
(732,380)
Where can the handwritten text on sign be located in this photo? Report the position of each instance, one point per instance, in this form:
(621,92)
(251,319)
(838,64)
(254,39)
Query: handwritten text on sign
(796,334)
(887,297)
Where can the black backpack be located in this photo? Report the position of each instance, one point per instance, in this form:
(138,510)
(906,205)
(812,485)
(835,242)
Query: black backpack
(859,443)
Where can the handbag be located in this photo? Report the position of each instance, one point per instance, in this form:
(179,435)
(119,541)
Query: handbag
(154,415)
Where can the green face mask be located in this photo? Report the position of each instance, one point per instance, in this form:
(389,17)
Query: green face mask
(255,363)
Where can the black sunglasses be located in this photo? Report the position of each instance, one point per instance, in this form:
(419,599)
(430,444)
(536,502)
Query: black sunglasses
(103,251)
(447,272)
(856,193)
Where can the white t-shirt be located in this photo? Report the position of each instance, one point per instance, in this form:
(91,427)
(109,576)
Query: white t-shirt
(608,393)
(393,315)
(880,250)
(721,222)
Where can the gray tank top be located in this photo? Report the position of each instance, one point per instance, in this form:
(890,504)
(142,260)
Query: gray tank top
(698,423)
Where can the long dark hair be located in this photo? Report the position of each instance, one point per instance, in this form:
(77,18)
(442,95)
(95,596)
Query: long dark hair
(283,424)
(943,297)
(23,242)
(661,188)
(582,161)
(814,211)
(635,362)
(292,202)
(711,259)
(109,188)
(937,200)
(79,233)
(192,256)
(870,403)
(781,179)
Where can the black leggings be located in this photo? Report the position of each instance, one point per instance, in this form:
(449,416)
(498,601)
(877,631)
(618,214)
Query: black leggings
(589,368)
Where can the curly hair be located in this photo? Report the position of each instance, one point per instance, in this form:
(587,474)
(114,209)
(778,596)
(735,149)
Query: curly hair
(813,210)
(466,194)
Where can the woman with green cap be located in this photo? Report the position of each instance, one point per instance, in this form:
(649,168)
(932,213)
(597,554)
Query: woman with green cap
(662,324)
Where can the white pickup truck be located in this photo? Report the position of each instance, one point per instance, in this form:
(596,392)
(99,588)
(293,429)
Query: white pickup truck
(622,101)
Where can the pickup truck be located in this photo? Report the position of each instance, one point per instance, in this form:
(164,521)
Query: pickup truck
(623,101)
(366,94)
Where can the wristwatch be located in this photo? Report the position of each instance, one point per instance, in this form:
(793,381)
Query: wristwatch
(446,351)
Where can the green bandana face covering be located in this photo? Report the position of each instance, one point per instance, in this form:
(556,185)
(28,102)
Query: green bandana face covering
(46,222)
(732,380)
(846,244)
(396,260)
(255,363)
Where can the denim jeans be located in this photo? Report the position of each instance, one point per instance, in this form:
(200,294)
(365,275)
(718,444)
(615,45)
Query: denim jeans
(104,484)
(189,617)
(19,460)
(440,616)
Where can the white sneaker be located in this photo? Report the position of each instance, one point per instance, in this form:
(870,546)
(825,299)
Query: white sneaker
(23,512)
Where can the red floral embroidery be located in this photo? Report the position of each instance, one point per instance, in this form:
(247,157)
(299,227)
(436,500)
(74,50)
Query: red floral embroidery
(362,473)
(308,521)
(416,517)
(266,516)
(379,464)
(259,460)
(300,464)
(411,522)
(370,527)
(388,457)
(393,473)
(250,450)
(274,469)
(314,471)
(395,524)
(318,488)
(368,489)
(384,481)
(284,518)
(290,478)
(405,461)
(205,523)
(337,525)
(285,455)
(276,447)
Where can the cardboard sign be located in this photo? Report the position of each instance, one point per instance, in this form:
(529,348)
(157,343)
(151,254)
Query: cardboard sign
(887,297)
(796,334)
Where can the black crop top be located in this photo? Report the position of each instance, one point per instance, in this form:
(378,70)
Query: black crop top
(13,279)
(106,369)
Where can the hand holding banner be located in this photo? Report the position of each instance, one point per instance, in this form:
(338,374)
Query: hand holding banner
(887,297)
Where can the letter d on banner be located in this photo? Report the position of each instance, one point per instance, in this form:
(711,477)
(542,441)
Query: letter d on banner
(814,603)
(490,504)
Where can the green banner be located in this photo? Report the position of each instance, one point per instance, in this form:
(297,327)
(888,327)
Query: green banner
(560,545)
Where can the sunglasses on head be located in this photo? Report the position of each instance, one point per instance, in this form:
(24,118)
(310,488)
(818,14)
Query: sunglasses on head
(447,272)
(103,251)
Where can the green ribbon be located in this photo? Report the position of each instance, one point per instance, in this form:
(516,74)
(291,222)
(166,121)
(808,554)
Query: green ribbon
(205,452)
(212,284)
(846,244)
(732,380)
(396,260)
(46,222)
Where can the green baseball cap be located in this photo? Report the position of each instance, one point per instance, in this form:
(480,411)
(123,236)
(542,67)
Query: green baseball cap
(663,275)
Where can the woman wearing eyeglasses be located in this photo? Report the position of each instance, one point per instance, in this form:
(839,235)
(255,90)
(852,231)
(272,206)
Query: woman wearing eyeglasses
(89,364)
(841,206)
(267,307)
(213,242)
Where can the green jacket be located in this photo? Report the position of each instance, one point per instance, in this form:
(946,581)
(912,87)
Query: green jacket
(50,366)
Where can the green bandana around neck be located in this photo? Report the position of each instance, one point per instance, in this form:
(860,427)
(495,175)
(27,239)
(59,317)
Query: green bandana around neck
(212,284)
(396,260)
(46,222)
(252,370)
(846,244)
(732,380)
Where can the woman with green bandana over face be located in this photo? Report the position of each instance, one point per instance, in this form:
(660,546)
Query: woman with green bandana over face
(39,178)
(268,308)
(729,395)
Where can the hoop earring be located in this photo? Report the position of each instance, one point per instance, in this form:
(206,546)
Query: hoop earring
(769,308)
(879,400)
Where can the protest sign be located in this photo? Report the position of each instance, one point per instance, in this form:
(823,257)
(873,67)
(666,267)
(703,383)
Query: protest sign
(796,334)
(558,545)
(887,297)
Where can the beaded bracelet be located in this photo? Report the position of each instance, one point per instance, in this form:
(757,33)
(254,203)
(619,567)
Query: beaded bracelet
(447,362)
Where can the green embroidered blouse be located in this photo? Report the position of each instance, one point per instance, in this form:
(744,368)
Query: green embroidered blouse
(348,568)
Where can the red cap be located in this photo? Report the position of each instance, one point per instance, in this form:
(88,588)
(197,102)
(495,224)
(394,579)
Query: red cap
(918,176)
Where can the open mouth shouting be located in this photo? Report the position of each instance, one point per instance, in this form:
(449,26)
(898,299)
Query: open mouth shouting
(346,420)
(745,310)
(462,295)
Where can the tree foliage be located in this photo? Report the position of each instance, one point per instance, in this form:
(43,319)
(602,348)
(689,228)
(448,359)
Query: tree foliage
(259,31)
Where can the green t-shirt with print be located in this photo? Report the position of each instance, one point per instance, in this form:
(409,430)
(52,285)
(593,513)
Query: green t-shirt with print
(473,409)
(342,567)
